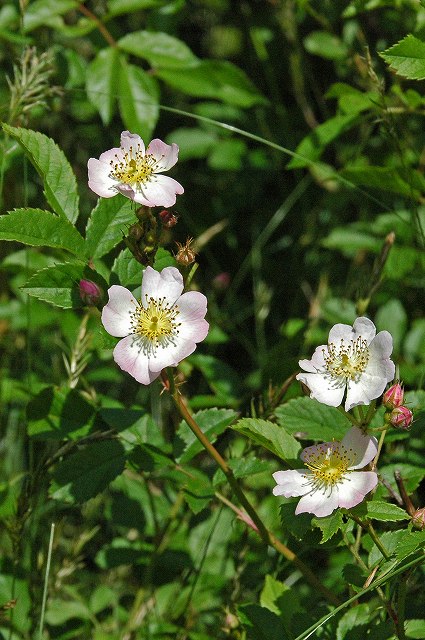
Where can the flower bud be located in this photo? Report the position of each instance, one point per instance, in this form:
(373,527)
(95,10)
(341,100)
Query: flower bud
(221,281)
(90,292)
(400,417)
(168,218)
(418,519)
(393,397)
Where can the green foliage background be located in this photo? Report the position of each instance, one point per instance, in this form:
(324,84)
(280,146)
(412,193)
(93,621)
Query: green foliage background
(300,127)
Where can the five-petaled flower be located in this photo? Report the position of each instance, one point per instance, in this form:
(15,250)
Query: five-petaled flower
(136,172)
(331,479)
(161,329)
(356,360)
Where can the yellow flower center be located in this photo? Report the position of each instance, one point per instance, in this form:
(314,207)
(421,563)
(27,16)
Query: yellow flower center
(155,324)
(135,168)
(347,360)
(329,464)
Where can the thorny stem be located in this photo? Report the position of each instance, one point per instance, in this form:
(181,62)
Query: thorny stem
(267,536)
(371,531)
(378,453)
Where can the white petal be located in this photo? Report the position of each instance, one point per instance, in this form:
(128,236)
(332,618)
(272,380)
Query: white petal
(192,309)
(364,390)
(321,503)
(352,490)
(363,327)
(317,362)
(171,355)
(323,388)
(116,315)
(363,447)
(340,332)
(166,284)
(132,140)
(160,191)
(115,154)
(291,483)
(319,450)
(99,180)
(165,154)
(131,358)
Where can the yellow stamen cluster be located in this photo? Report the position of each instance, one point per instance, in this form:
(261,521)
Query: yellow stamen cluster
(155,323)
(347,360)
(328,463)
(134,168)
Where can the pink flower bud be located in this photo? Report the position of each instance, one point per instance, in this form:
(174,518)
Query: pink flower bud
(221,281)
(168,218)
(401,417)
(418,519)
(90,292)
(393,397)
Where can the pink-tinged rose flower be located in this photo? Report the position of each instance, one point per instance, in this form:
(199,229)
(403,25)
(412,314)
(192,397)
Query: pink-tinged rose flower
(393,397)
(400,417)
(332,478)
(356,361)
(161,329)
(136,172)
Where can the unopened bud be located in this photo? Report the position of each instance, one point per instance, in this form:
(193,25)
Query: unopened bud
(418,519)
(221,281)
(185,255)
(400,417)
(168,218)
(90,292)
(394,396)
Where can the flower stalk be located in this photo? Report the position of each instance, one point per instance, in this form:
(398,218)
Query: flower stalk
(267,536)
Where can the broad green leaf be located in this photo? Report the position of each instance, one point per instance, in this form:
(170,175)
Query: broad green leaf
(108,223)
(60,185)
(392,317)
(58,414)
(326,45)
(383,178)
(159,49)
(407,57)
(408,543)
(102,78)
(261,624)
(41,12)
(271,436)
(272,590)
(198,491)
(389,540)
(216,79)
(193,142)
(138,100)
(59,285)
(223,380)
(385,511)
(412,474)
(415,628)
(163,258)
(41,229)
(86,473)
(126,271)
(358,616)
(312,420)
(312,146)
(228,155)
(329,525)
(60,611)
(349,241)
(242,468)
(119,7)
(212,422)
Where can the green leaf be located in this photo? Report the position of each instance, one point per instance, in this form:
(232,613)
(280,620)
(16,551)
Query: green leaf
(412,475)
(349,241)
(193,142)
(212,422)
(385,511)
(313,145)
(126,271)
(159,49)
(119,7)
(86,473)
(59,285)
(163,258)
(41,229)
(223,380)
(329,525)
(392,317)
(60,185)
(58,414)
(312,420)
(138,100)
(40,12)
(408,543)
(415,628)
(261,624)
(272,590)
(216,79)
(198,491)
(383,178)
(407,57)
(107,224)
(326,45)
(271,436)
(358,616)
(102,78)
(242,468)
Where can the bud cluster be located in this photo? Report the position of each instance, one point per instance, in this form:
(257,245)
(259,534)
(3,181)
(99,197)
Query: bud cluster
(397,415)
